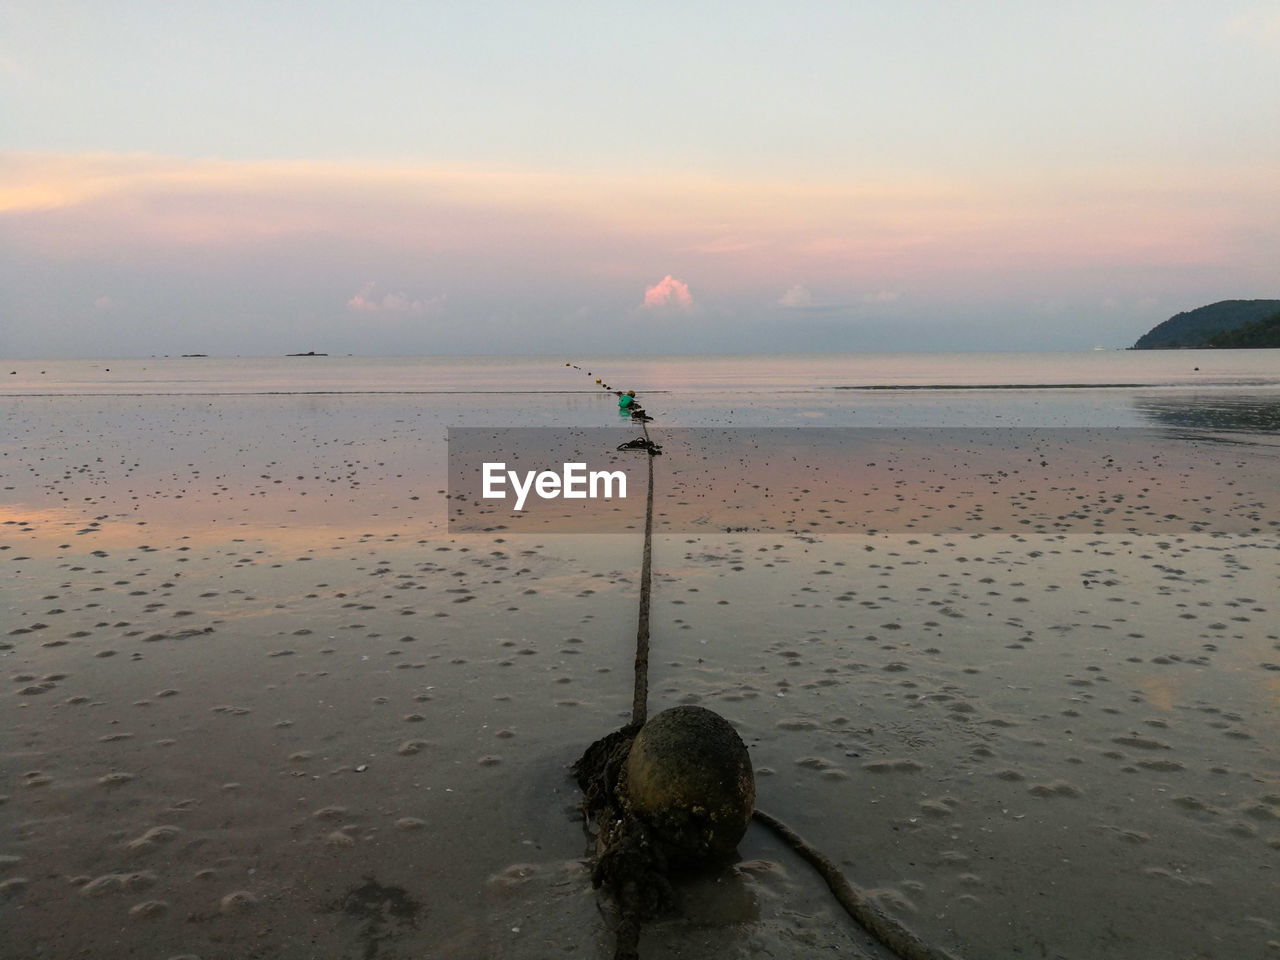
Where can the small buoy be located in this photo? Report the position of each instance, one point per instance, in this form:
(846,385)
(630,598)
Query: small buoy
(688,775)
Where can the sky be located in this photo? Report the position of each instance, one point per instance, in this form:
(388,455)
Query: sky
(396,178)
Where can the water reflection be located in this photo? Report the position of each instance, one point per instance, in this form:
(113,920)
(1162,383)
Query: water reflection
(1222,412)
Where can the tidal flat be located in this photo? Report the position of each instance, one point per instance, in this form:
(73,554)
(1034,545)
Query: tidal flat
(263,702)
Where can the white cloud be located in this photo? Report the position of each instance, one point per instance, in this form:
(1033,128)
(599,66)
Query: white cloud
(368,301)
(668,292)
(800,299)
(797,296)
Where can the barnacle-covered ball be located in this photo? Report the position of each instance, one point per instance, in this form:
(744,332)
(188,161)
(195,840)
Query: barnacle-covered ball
(689,778)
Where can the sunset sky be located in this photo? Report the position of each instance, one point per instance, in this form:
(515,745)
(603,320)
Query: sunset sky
(509,177)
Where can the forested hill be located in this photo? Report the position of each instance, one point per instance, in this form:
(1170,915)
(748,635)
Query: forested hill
(1261,333)
(1204,325)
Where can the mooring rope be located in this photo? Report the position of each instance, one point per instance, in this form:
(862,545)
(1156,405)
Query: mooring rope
(640,699)
(857,903)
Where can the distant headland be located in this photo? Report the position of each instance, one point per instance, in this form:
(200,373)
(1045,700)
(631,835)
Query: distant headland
(1228,324)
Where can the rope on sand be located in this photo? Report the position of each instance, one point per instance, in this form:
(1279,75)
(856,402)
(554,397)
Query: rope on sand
(857,903)
(626,858)
(640,699)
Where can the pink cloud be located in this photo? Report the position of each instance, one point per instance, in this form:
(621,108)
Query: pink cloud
(669,292)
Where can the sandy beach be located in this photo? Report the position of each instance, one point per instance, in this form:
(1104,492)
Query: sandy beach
(264,701)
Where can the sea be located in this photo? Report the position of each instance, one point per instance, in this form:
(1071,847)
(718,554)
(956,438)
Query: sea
(1222,389)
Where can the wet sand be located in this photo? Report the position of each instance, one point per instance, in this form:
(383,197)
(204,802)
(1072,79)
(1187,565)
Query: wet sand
(263,703)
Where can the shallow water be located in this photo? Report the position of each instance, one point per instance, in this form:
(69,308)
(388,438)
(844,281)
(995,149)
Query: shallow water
(263,702)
